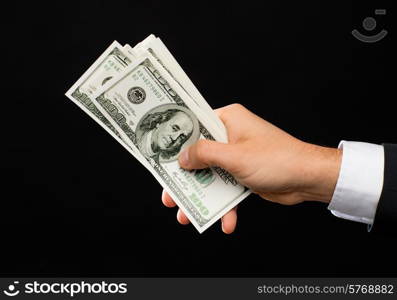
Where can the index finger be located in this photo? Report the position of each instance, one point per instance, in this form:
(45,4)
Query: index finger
(167,200)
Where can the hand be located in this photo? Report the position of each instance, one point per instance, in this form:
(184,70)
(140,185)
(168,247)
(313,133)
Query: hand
(272,163)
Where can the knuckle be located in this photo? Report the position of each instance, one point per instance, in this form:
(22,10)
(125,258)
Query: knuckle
(237,106)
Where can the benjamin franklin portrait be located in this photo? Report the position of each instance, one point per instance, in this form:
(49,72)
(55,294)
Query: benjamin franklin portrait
(165,130)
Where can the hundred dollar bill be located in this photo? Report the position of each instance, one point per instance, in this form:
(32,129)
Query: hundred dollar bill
(159,119)
(211,118)
(160,52)
(113,61)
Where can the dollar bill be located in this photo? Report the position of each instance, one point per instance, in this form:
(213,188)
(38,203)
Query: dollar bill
(160,52)
(158,119)
(112,61)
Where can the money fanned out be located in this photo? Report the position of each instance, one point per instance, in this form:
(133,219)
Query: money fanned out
(143,98)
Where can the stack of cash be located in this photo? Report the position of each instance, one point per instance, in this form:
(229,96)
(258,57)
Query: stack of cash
(143,98)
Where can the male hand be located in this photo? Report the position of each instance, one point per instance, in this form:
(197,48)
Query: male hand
(272,163)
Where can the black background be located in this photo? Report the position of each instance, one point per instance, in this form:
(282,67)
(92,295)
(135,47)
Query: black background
(74,202)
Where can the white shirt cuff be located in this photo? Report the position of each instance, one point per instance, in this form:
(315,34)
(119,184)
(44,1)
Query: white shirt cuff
(360,182)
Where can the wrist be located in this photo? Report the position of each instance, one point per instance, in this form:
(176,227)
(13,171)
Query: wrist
(321,171)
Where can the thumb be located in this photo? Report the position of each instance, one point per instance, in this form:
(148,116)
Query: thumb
(206,153)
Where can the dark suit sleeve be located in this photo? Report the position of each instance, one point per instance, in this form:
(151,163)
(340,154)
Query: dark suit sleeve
(385,221)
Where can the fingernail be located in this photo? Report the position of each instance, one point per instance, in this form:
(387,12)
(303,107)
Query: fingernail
(184,158)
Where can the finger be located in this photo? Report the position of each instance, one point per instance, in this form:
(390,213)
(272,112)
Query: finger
(181,217)
(223,112)
(206,153)
(230,113)
(229,221)
(167,200)
(220,111)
